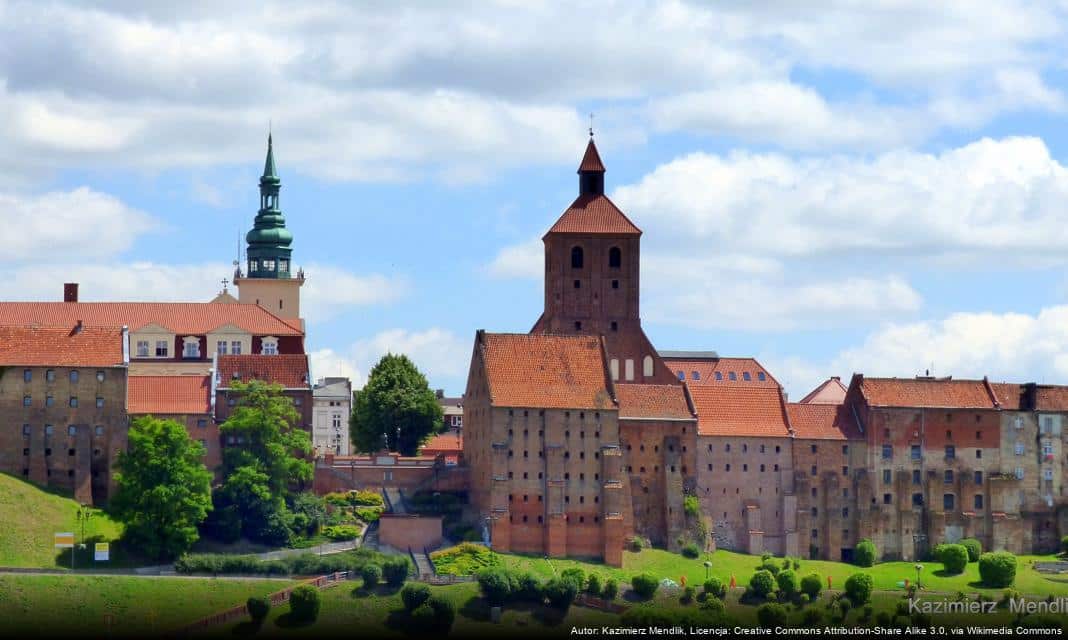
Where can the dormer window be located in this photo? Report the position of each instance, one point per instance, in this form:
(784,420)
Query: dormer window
(719,375)
(269,346)
(191,347)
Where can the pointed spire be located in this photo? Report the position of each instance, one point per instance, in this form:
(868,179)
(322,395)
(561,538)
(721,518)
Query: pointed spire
(591,160)
(591,172)
(268,166)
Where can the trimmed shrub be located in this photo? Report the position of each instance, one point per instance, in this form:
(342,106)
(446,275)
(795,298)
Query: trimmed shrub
(529,588)
(561,592)
(611,589)
(713,604)
(593,585)
(636,544)
(997,569)
(762,584)
(691,550)
(688,594)
(974,547)
(811,585)
(342,532)
(771,615)
(865,553)
(395,570)
(645,585)
(496,585)
(444,613)
(414,594)
(372,575)
(771,566)
(788,585)
(715,588)
(954,557)
(575,576)
(258,607)
(858,586)
(304,603)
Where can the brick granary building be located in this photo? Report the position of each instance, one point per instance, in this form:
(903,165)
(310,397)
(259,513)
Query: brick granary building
(73,374)
(581,434)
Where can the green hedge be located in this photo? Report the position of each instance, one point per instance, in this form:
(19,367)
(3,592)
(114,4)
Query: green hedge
(307,564)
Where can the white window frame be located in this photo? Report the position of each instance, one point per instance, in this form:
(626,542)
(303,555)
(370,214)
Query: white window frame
(191,347)
(628,369)
(235,347)
(647,366)
(164,346)
(220,347)
(142,349)
(269,346)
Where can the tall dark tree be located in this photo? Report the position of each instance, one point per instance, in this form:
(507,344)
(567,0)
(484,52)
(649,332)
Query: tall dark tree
(395,410)
(267,467)
(163,488)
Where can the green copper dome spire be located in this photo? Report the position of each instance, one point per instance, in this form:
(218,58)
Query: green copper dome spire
(268,241)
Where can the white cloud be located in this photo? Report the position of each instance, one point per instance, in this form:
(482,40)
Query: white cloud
(519,261)
(1004,346)
(328,363)
(439,353)
(992,194)
(327,292)
(391,92)
(62,225)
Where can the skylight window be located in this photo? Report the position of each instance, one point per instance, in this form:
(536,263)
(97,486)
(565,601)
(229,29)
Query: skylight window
(695,375)
(761,376)
(746,376)
(732,375)
(719,375)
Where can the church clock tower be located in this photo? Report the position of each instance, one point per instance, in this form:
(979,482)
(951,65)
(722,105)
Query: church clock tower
(269,281)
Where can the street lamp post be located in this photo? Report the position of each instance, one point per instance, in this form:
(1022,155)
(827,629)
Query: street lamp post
(919,568)
(84,513)
(708,569)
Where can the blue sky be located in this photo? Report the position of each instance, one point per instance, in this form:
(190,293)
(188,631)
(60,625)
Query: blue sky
(875,187)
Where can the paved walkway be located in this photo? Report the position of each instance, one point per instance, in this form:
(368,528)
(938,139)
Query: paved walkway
(133,573)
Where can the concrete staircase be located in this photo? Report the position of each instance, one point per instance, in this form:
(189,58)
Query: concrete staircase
(424,568)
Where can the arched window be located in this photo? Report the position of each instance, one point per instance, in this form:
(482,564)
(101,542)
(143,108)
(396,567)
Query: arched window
(647,366)
(615,258)
(576,257)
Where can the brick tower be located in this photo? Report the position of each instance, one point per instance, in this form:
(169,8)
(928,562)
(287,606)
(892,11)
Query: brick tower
(592,277)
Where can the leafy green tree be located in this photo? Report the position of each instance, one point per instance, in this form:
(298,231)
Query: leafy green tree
(268,425)
(164,490)
(395,410)
(762,583)
(865,553)
(266,469)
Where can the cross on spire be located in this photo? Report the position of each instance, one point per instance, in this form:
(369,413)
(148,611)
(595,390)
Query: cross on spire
(591,124)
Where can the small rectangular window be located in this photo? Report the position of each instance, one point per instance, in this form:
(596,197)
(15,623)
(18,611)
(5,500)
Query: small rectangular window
(888,451)
(27,375)
(915,452)
(978,501)
(50,375)
(161,349)
(887,476)
(99,376)
(74,401)
(73,375)
(99,403)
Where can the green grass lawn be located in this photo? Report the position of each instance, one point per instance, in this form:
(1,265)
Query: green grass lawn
(31,515)
(726,564)
(77,605)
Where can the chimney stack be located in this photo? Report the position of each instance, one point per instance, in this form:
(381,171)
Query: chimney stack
(70,292)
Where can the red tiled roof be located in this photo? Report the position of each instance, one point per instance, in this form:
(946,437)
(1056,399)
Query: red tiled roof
(61,347)
(169,395)
(832,391)
(927,392)
(190,318)
(707,368)
(652,401)
(451,440)
(594,214)
(289,370)
(823,422)
(739,410)
(1009,395)
(1051,398)
(544,370)
(591,160)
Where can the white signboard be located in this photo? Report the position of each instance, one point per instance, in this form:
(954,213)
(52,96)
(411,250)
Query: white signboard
(102,552)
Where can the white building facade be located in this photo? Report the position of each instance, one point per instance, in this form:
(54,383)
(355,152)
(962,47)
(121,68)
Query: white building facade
(330,426)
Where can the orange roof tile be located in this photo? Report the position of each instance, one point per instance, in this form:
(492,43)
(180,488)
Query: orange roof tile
(594,214)
(1051,398)
(545,370)
(1009,395)
(927,392)
(707,368)
(822,422)
(591,160)
(169,395)
(831,391)
(652,401)
(452,440)
(190,318)
(289,370)
(739,410)
(61,347)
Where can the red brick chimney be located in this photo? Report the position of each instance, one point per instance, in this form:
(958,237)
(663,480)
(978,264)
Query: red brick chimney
(70,292)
